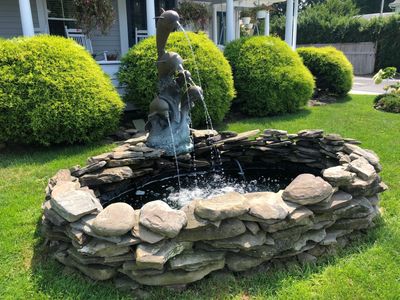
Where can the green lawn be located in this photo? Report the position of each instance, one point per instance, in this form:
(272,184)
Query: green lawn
(369,269)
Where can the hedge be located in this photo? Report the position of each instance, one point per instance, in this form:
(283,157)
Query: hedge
(52,91)
(270,77)
(138,73)
(316,25)
(330,67)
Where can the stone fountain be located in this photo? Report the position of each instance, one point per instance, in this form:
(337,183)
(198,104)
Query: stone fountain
(99,221)
(169,118)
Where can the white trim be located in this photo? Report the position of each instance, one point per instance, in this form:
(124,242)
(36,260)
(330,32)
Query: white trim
(123,26)
(62,19)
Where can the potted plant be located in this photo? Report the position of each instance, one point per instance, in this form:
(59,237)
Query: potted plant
(92,15)
(194,16)
(245,16)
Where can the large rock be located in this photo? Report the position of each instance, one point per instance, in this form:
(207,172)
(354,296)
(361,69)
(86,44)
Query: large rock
(192,261)
(105,176)
(221,207)
(72,204)
(338,175)
(116,219)
(246,241)
(307,189)
(363,168)
(266,206)
(178,277)
(155,256)
(160,218)
(228,228)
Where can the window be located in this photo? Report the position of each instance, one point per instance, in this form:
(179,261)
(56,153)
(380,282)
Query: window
(60,14)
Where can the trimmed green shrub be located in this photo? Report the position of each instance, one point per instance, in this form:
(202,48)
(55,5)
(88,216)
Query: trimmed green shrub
(270,77)
(388,102)
(332,70)
(52,91)
(138,73)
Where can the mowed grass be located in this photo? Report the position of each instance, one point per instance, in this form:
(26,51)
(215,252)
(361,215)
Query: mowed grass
(369,269)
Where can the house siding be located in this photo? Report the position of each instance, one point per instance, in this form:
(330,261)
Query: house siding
(10,18)
(10,26)
(110,42)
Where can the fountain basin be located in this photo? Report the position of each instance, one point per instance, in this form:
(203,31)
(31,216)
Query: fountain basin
(331,193)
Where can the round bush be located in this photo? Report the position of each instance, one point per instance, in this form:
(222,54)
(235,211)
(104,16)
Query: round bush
(388,102)
(138,73)
(52,91)
(270,77)
(330,67)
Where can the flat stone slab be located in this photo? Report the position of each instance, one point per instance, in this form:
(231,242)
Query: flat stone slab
(155,256)
(103,249)
(143,234)
(266,205)
(194,221)
(338,175)
(108,175)
(228,228)
(221,207)
(246,241)
(115,220)
(239,263)
(95,272)
(192,261)
(73,204)
(307,189)
(159,217)
(363,168)
(241,136)
(179,276)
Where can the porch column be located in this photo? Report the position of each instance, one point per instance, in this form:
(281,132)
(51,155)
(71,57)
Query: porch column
(215,24)
(266,27)
(296,13)
(289,22)
(230,21)
(26,18)
(150,13)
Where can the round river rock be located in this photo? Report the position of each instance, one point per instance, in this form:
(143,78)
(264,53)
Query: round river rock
(116,219)
(307,189)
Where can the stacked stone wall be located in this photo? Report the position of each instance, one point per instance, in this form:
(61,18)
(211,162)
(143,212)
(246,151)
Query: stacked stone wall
(158,245)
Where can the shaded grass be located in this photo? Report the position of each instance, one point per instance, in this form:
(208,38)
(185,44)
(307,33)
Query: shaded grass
(370,269)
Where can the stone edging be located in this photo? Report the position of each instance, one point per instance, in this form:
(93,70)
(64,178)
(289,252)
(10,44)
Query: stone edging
(158,245)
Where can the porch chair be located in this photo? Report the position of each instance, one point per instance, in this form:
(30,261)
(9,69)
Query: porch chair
(78,36)
(140,35)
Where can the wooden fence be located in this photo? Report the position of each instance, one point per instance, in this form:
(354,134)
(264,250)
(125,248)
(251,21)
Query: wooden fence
(361,55)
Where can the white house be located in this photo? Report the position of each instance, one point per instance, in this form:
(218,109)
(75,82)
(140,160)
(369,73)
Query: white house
(134,20)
